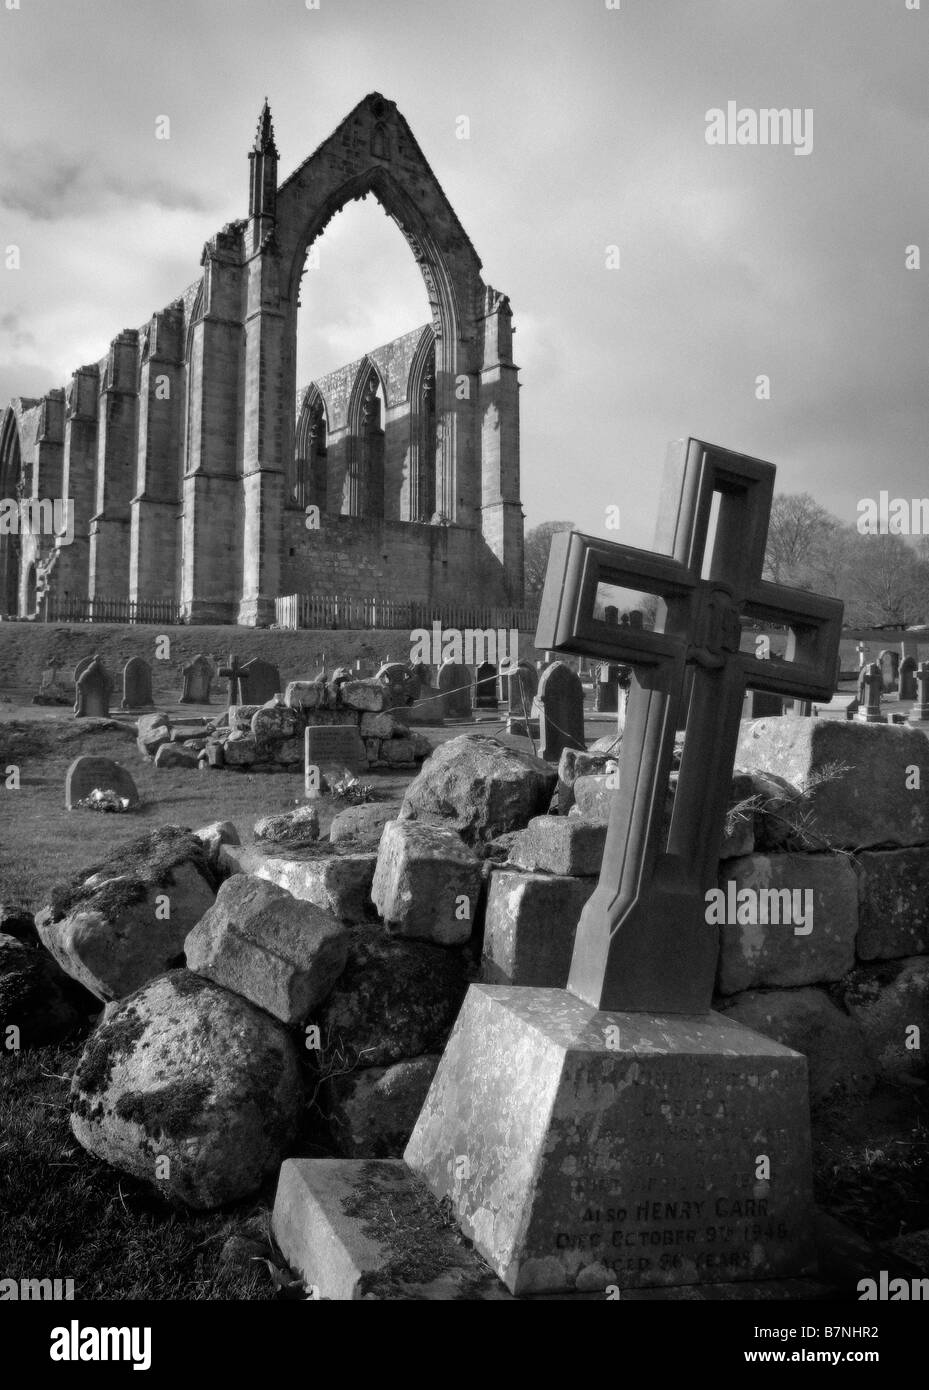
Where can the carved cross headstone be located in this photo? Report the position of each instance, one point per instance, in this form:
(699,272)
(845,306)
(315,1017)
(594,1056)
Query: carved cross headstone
(603,1119)
(237,678)
(643,943)
(871,683)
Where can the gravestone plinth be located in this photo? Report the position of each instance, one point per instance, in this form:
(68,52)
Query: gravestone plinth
(334,748)
(580,1149)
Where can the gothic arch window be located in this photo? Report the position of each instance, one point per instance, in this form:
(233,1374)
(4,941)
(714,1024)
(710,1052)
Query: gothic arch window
(363,494)
(311,453)
(11,485)
(423,440)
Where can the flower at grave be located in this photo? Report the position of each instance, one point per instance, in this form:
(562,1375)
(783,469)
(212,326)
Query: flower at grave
(348,788)
(104,800)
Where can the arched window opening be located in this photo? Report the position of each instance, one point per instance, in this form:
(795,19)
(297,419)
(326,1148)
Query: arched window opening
(363,493)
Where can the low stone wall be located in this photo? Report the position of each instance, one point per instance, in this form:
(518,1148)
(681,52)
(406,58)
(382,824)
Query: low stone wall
(829,826)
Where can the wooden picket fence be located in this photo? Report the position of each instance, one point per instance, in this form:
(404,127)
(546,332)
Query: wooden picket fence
(331,611)
(165,612)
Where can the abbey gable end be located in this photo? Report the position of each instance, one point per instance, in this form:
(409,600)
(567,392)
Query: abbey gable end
(200,473)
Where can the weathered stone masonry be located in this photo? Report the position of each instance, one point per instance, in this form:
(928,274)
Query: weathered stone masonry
(190,469)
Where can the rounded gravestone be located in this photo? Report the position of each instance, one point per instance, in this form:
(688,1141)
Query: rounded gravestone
(81,667)
(561,696)
(521,685)
(89,773)
(454,683)
(93,689)
(907,686)
(197,676)
(137,683)
(485,689)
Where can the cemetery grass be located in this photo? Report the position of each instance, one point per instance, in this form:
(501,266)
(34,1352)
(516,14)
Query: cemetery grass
(42,844)
(63,1213)
(66,1215)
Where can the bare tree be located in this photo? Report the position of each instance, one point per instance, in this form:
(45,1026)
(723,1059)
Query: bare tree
(535,554)
(797,526)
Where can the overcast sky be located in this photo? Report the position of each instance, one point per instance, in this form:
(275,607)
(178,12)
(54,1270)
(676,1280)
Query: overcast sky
(587,130)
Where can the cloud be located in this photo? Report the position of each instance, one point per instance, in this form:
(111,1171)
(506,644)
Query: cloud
(49,186)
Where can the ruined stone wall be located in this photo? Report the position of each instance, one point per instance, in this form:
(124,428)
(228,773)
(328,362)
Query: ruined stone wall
(187,424)
(358,557)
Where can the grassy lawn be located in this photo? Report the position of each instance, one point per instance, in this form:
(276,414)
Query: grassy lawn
(65,1215)
(41,843)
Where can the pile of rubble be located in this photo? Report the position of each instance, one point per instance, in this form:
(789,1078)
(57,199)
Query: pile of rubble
(270,737)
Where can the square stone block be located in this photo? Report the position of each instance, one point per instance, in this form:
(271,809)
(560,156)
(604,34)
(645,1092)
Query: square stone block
(560,845)
(530,925)
(580,1149)
(361,1229)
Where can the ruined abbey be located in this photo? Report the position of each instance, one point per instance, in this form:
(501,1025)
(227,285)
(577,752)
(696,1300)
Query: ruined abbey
(200,475)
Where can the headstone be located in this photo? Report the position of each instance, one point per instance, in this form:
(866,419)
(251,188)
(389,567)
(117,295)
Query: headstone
(872,683)
(485,688)
(81,667)
(606,697)
(137,684)
(561,723)
(919,714)
(89,774)
(423,674)
(861,692)
(521,686)
(238,679)
(889,662)
(761,704)
(601,1123)
(197,676)
(334,749)
(907,687)
(93,689)
(454,684)
(401,682)
(264,680)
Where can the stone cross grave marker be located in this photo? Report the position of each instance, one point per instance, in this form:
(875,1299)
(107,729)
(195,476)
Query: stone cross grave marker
(264,680)
(237,677)
(137,684)
(197,677)
(612,1133)
(919,714)
(871,683)
(93,689)
(561,722)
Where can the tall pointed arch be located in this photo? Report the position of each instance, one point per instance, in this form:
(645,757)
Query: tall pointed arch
(11,487)
(310,484)
(423,455)
(363,494)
